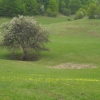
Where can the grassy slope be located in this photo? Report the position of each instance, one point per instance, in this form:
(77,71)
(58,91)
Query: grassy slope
(74,41)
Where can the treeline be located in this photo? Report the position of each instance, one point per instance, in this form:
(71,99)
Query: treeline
(12,8)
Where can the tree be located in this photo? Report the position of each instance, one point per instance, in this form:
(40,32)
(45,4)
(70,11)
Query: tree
(8,8)
(21,7)
(81,13)
(50,13)
(98,11)
(31,7)
(66,11)
(63,4)
(53,5)
(42,9)
(87,2)
(74,5)
(24,33)
(43,2)
(92,10)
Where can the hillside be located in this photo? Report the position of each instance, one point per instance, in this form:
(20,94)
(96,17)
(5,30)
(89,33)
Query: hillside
(69,71)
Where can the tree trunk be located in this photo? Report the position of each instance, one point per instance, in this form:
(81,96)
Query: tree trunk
(24,57)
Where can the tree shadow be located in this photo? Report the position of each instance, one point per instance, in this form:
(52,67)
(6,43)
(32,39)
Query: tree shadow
(18,57)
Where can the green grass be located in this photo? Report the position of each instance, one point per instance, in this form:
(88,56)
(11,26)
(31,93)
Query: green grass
(71,42)
(50,20)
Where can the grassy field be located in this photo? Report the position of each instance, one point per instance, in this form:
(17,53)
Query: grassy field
(74,44)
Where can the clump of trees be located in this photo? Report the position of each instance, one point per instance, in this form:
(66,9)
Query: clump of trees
(91,11)
(24,33)
(50,8)
(12,8)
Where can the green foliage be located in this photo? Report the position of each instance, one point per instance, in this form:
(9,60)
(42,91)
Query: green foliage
(34,7)
(8,8)
(98,2)
(53,5)
(80,13)
(42,9)
(74,5)
(66,11)
(24,33)
(63,4)
(84,11)
(31,7)
(50,13)
(92,10)
(98,11)
(87,2)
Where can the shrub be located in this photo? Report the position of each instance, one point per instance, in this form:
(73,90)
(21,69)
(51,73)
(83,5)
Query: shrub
(79,15)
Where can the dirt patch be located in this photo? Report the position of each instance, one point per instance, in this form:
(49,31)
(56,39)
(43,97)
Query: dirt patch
(73,66)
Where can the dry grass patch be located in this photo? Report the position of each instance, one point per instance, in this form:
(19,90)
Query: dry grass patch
(73,66)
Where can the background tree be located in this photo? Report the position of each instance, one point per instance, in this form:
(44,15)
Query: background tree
(24,33)
(31,7)
(81,13)
(62,4)
(12,8)
(98,12)
(8,8)
(66,11)
(74,5)
(43,2)
(52,4)
(92,10)
(42,9)
(21,7)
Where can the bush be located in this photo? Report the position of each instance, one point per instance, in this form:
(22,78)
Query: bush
(79,15)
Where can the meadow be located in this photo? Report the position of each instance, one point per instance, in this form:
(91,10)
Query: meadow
(69,71)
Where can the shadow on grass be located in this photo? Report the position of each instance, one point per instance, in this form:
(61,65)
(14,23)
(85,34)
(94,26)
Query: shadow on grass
(32,56)
(18,57)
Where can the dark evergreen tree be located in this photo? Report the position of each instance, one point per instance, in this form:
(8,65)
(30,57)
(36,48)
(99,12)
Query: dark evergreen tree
(31,7)
(74,5)
(8,8)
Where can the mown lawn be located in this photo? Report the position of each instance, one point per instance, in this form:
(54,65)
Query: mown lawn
(75,42)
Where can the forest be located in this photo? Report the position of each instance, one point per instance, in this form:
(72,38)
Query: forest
(80,8)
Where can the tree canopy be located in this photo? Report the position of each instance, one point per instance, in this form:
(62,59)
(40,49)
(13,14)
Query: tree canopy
(12,8)
(24,33)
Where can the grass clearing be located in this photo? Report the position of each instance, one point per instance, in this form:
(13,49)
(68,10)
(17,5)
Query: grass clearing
(75,42)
